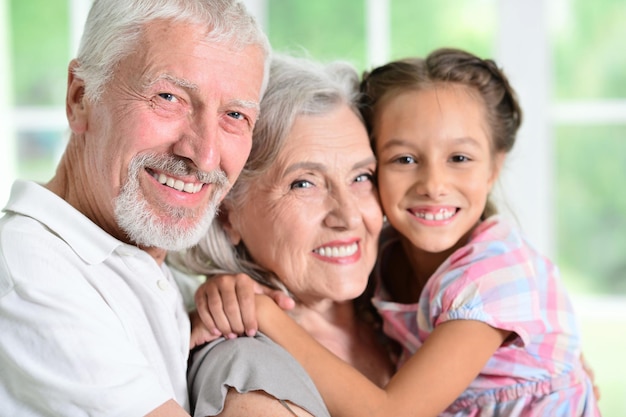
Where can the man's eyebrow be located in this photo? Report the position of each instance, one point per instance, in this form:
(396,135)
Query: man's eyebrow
(181,82)
(246,104)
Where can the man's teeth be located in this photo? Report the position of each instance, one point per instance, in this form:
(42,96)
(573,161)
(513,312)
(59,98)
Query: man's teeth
(188,187)
(441,215)
(337,251)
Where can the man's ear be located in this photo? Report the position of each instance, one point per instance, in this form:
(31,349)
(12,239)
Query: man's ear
(224,217)
(75,106)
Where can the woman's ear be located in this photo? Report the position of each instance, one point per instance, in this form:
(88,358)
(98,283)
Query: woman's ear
(75,106)
(224,217)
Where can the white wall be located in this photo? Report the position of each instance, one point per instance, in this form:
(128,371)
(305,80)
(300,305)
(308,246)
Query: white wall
(527,180)
(258,8)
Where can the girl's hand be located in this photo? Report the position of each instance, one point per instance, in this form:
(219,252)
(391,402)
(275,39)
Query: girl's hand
(226,305)
(200,334)
(592,376)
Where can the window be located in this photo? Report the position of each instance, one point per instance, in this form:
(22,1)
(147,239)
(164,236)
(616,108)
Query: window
(38,47)
(564,58)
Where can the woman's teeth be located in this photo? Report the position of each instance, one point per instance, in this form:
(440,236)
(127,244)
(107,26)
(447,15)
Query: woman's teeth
(337,251)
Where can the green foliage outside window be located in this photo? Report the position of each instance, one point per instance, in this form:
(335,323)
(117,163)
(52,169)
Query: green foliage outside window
(324,29)
(591,216)
(39,51)
(419,27)
(589,64)
(589,39)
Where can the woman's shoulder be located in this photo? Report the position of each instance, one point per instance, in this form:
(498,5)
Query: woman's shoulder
(249,364)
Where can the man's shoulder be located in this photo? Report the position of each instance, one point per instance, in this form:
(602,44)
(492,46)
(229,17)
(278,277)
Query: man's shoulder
(35,216)
(27,246)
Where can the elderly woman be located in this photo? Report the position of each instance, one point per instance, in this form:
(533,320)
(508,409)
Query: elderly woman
(304,217)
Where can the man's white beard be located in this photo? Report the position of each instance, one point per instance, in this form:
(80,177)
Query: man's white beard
(144,228)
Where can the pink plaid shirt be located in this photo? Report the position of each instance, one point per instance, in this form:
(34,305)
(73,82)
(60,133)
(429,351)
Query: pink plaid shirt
(499,279)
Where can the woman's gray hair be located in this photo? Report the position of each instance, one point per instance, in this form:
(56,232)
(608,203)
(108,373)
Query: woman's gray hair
(297,86)
(113,28)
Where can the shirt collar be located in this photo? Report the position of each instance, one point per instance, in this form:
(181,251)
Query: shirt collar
(87,240)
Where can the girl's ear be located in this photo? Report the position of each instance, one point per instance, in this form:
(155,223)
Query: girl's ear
(224,217)
(498,162)
(75,106)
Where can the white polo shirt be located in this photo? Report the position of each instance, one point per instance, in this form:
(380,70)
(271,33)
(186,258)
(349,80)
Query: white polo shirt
(88,325)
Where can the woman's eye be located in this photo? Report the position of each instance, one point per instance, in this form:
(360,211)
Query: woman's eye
(364,178)
(168,96)
(301,184)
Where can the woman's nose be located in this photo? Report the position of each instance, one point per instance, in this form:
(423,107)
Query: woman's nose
(344,210)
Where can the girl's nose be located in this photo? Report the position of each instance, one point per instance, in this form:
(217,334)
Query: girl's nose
(431,181)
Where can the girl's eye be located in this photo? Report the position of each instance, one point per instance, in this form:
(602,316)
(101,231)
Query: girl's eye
(405,160)
(168,97)
(459,158)
(301,184)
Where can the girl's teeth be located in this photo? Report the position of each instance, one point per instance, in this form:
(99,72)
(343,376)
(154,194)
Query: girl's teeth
(442,215)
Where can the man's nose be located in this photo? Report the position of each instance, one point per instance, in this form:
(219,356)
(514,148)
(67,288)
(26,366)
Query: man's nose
(200,143)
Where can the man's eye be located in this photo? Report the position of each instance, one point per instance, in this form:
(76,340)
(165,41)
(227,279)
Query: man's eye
(168,96)
(237,115)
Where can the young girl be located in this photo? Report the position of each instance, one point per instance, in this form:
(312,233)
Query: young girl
(485,323)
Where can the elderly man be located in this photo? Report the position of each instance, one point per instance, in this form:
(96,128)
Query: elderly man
(161,101)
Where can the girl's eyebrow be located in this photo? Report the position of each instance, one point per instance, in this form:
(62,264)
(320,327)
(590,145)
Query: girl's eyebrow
(396,142)
(467,140)
(463,140)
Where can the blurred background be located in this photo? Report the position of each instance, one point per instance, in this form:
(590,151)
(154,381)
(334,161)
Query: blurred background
(566,59)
